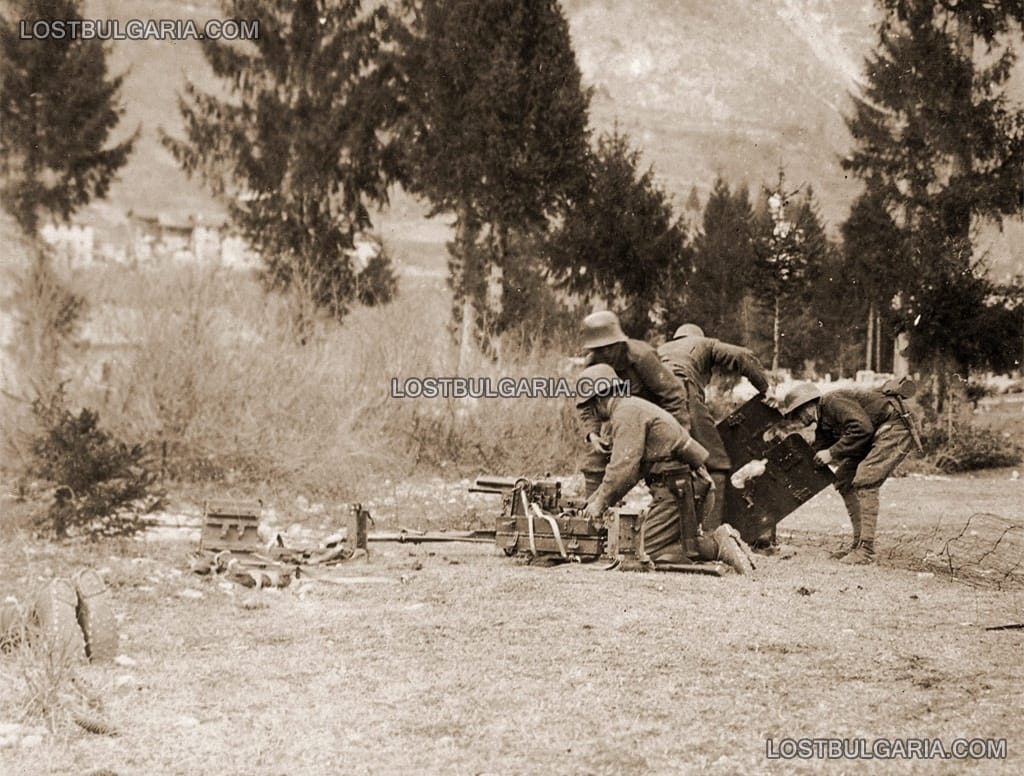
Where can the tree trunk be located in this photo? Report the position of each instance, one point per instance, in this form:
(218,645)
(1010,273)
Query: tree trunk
(878,340)
(900,365)
(463,285)
(775,337)
(869,348)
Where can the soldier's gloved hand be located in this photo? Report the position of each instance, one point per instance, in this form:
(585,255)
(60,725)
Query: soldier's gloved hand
(597,444)
(770,401)
(823,458)
(592,511)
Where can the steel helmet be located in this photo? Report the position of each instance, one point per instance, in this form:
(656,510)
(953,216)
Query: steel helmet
(798,396)
(595,380)
(688,330)
(600,329)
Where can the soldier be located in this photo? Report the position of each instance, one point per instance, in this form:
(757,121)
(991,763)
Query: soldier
(867,434)
(691,356)
(646,442)
(635,362)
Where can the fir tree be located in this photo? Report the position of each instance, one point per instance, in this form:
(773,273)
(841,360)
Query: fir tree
(620,241)
(790,248)
(58,107)
(297,148)
(496,125)
(943,148)
(723,256)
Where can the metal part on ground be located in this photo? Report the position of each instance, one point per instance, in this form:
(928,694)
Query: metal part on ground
(231,525)
(538,522)
(54,610)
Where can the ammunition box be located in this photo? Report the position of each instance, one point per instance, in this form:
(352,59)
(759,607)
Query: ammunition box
(231,525)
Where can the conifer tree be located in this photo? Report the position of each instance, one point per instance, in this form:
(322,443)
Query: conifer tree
(942,146)
(723,259)
(58,107)
(496,128)
(621,242)
(297,148)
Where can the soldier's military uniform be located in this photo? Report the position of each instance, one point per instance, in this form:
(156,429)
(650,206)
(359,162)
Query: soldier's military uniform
(692,357)
(636,363)
(648,443)
(862,432)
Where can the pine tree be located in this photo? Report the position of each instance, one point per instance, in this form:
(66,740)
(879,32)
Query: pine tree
(943,148)
(297,148)
(58,107)
(496,124)
(621,242)
(722,263)
(790,248)
(875,262)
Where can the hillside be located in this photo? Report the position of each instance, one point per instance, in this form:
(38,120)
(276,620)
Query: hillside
(730,88)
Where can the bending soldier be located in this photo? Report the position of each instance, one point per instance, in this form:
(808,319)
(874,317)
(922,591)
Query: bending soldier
(866,434)
(692,357)
(638,364)
(647,443)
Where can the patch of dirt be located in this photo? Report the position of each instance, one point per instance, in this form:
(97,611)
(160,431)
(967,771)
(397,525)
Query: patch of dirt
(485,666)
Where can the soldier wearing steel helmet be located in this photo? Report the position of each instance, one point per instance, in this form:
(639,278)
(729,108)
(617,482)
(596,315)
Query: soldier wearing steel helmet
(692,357)
(647,443)
(864,434)
(636,363)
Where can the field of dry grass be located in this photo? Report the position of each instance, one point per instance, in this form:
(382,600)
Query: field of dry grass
(448,659)
(208,371)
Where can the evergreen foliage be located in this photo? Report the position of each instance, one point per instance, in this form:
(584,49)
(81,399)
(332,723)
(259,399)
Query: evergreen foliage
(495,126)
(621,241)
(941,147)
(58,107)
(298,148)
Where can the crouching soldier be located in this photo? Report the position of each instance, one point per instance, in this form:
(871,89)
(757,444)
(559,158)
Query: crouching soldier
(638,364)
(866,434)
(648,443)
(692,357)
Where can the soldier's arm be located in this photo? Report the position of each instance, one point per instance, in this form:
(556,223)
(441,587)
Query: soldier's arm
(668,390)
(852,425)
(629,438)
(742,361)
(590,422)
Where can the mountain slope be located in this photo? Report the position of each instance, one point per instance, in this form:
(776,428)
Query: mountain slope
(732,88)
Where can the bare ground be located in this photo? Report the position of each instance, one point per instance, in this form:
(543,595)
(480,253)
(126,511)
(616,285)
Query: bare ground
(449,659)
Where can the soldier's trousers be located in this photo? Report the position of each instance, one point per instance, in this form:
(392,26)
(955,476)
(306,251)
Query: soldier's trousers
(670,522)
(859,480)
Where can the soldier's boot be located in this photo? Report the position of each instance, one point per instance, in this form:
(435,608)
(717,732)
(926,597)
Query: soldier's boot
(852,502)
(864,552)
(725,544)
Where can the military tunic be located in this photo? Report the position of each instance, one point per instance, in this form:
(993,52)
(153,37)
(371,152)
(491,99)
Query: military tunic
(692,360)
(645,442)
(864,434)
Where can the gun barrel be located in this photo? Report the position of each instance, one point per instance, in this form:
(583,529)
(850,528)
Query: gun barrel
(493,484)
(482,536)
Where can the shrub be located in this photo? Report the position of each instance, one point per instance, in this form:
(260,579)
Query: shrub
(96,475)
(966,447)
